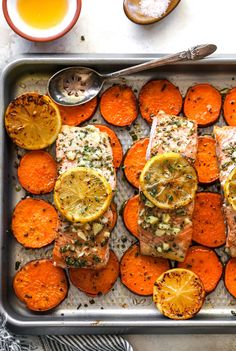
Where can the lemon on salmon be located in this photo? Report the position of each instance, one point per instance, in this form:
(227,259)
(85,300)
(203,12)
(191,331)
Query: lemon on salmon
(230,188)
(82,194)
(168,181)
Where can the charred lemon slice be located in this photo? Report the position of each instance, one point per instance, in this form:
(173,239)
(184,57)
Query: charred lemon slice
(168,181)
(82,194)
(32,121)
(178,294)
(230,189)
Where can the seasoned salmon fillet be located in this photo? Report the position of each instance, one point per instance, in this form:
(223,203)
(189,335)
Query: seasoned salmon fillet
(168,233)
(84,245)
(85,147)
(173,134)
(226,156)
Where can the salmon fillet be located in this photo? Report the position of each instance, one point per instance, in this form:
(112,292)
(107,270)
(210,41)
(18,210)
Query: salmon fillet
(173,134)
(81,246)
(85,147)
(226,156)
(168,233)
(84,245)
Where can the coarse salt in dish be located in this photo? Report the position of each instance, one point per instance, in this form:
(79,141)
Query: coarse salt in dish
(154,8)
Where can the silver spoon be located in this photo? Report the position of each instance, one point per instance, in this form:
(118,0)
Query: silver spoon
(76,85)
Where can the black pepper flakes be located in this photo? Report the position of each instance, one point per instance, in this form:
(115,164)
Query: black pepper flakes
(17,265)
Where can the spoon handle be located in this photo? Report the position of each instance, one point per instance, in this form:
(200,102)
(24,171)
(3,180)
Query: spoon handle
(195,53)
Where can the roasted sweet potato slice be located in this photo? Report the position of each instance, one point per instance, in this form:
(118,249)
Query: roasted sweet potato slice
(40,285)
(118,105)
(130,215)
(230,276)
(202,104)
(206,264)
(75,115)
(159,95)
(113,207)
(96,282)
(208,221)
(138,272)
(34,223)
(37,172)
(206,161)
(229,107)
(135,160)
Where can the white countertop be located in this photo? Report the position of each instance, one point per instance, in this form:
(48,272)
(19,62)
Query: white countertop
(107,30)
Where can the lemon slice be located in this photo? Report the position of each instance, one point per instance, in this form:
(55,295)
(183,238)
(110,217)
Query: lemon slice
(168,181)
(82,194)
(230,189)
(32,121)
(178,293)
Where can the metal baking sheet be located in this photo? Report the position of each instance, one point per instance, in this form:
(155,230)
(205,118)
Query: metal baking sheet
(120,311)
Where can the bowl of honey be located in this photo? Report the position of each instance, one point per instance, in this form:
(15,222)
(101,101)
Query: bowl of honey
(41,20)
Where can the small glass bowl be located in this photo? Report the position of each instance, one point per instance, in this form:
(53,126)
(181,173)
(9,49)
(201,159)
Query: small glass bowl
(41,35)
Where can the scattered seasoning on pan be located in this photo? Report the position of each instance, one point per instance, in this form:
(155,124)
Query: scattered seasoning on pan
(92,302)
(124,305)
(224,91)
(133,135)
(82,38)
(121,210)
(136,301)
(233,313)
(18,188)
(17,265)
(79,305)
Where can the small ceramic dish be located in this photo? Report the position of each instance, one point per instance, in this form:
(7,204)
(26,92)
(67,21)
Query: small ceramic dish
(16,22)
(133,12)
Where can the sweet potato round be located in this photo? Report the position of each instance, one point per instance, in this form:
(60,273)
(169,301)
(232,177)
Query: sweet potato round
(37,172)
(40,285)
(118,105)
(34,223)
(159,95)
(130,215)
(135,160)
(138,272)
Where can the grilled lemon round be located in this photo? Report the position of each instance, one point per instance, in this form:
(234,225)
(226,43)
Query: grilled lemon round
(178,293)
(169,181)
(82,194)
(32,121)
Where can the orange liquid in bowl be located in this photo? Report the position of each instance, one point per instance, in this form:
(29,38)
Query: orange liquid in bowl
(42,14)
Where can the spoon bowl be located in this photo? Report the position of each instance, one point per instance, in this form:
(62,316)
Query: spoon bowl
(74,85)
(133,12)
(77,85)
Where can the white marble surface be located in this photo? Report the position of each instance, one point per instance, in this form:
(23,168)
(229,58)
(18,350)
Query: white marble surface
(107,30)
